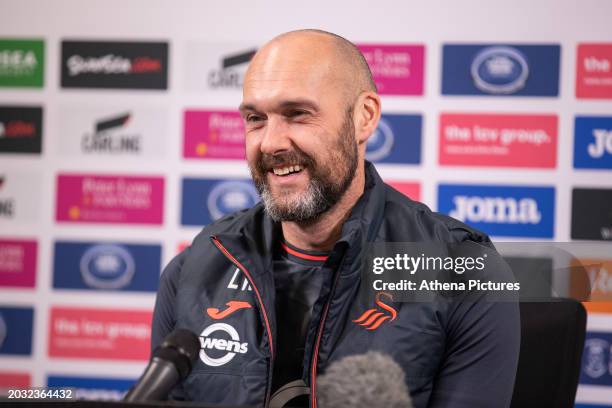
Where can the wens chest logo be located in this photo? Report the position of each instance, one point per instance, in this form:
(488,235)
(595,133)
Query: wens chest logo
(216,348)
(511,211)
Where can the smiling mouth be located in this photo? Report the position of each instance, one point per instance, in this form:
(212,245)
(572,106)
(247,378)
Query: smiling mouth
(287,170)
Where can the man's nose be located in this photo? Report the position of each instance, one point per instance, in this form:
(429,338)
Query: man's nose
(275,137)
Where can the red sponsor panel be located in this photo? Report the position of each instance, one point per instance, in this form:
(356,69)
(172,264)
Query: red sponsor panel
(99,333)
(498,140)
(110,199)
(594,71)
(9,379)
(18,263)
(409,189)
(213,135)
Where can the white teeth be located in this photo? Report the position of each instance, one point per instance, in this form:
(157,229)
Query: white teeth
(286,170)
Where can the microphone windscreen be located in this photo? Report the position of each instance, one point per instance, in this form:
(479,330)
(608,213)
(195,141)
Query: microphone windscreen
(181,348)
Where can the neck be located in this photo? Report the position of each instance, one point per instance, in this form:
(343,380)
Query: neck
(322,233)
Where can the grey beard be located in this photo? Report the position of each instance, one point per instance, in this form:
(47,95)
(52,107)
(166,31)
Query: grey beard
(306,207)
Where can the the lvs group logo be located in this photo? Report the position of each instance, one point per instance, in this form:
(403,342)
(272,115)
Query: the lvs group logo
(213,135)
(22,63)
(500,69)
(20,129)
(507,211)
(594,71)
(497,140)
(112,64)
(593,142)
(206,200)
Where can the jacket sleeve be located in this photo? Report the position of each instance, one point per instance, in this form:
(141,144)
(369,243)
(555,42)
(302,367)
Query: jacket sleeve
(481,356)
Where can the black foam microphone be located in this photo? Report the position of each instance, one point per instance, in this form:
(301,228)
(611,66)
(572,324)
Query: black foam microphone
(171,363)
(372,380)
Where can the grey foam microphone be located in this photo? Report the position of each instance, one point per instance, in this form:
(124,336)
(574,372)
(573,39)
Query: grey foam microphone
(364,380)
(171,363)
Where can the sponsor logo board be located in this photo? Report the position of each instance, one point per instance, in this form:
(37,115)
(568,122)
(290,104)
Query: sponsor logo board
(598,283)
(18,263)
(106,266)
(93,388)
(592,214)
(593,142)
(109,199)
(396,69)
(19,197)
(112,132)
(22,63)
(498,140)
(13,380)
(596,366)
(213,135)
(114,65)
(594,71)
(500,69)
(20,129)
(512,211)
(99,333)
(16,330)
(411,190)
(396,140)
(207,200)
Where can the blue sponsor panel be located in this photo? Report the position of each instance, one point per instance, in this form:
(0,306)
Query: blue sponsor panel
(106,266)
(91,388)
(596,366)
(206,200)
(501,70)
(16,325)
(509,211)
(593,142)
(397,139)
(591,406)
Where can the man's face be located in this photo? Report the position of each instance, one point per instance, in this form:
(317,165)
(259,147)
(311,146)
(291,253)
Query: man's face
(300,136)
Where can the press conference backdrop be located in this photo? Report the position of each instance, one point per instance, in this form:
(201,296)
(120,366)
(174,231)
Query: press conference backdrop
(120,139)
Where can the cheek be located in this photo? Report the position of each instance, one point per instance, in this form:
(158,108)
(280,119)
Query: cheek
(251,146)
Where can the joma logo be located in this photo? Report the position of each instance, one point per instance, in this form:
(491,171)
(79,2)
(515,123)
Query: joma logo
(503,210)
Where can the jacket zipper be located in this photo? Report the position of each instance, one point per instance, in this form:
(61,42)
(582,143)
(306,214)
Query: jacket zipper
(244,270)
(315,357)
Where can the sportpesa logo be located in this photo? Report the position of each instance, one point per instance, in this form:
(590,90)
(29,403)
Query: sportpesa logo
(211,345)
(500,70)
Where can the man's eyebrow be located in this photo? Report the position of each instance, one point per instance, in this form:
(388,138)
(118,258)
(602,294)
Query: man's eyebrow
(284,105)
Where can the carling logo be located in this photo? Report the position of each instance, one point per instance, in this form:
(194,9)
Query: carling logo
(20,129)
(104,131)
(498,69)
(18,263)
(397,139)
(512,211)
(16,330)
(594,71)
(99,333)
(93,388)
(106,266)
(592,214)
(397,69)
(597,359)
(217,67)
(213,135)
(411,190)
(207,200)
(22,63)
(111,64)
(109,199)
(498,140)
(220,343)
(593,142)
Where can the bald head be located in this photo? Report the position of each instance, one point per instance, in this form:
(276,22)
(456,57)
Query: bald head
(336,57)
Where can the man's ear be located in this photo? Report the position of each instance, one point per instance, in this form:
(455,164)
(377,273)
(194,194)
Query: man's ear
(367,112)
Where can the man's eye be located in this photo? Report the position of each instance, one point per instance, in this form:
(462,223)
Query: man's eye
(253,118)
(296,113)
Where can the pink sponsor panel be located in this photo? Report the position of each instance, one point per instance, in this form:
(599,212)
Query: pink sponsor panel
(397,69)
(594,71)
(213,135)
(409,189)
(110,199)
(18,263)
(99,333)
(504,140)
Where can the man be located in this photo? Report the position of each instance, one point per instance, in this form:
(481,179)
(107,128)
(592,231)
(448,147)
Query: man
(272,290)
